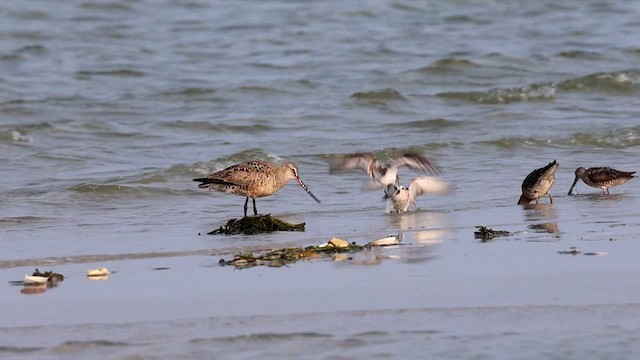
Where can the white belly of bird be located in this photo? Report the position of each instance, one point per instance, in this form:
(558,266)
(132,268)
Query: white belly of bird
(398,202)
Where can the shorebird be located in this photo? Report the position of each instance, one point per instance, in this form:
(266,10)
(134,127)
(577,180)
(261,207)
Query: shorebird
(383,175)
(253,179)
(601,177)
(399,197)
(538,183)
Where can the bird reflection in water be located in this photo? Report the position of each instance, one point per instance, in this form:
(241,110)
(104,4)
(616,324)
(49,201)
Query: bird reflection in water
(423,227)
(545,218)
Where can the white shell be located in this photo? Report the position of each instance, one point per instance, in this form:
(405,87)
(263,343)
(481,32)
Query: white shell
(596,253)
(335,243)
(389,240)
(35,279)
(98,272)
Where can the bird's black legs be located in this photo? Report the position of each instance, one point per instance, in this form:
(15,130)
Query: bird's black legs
(550,198)
(255,211)
(246,202)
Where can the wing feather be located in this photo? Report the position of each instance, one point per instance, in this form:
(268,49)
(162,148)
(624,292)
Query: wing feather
(416,162)
(428,185)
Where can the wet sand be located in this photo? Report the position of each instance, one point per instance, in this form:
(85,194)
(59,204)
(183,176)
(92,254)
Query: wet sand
(443,293)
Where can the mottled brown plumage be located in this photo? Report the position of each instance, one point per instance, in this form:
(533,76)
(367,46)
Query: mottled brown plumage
(253,179)
(538,184)
(601,177)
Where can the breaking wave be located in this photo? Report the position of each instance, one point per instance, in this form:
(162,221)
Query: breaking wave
(534,92)
(608,82)
(613,82)
(430,124)
(615,139)
(12,135)
(378,95)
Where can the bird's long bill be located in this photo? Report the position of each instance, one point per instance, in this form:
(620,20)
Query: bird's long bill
(573,186)
(307,190)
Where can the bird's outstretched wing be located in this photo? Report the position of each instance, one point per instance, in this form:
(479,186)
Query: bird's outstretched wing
(357,161)
(428,185)
(416,162)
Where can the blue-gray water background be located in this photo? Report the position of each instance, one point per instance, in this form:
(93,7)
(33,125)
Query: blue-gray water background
(108,109)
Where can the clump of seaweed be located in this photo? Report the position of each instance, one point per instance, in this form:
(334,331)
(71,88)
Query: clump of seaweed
(50,275)
(572,251)
(250,225)
(286,256)
(485,234)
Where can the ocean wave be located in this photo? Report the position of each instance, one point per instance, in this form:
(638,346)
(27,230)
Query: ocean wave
(190,93)
(250,154)
(226,126)
(431,124)
(617,82)
(615,139)
(23,220)
(257,89)
(12,135)
(129,191)
(69,347)
(179,171)
(448,64)
(101,129)
(125,73)
(260,338)
(19,349)
(378,96)
(106,5)
(580,54)
(609,82)
(534,92)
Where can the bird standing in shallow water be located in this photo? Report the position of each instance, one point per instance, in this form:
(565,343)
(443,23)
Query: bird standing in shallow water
(538,183)
(383,175)
(399,197)
(253,179)
(601,177)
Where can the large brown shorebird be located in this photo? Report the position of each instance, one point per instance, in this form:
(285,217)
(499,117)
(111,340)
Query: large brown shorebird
(253,179)
(538,183)
(383,175)
(399,197)
(601,177)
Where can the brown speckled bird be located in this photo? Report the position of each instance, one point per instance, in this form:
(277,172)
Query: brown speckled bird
(538,183)
(602,177)
(253,179)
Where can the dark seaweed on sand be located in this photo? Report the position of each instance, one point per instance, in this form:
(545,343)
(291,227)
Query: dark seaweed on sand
(485,234)
(286,256)
(250,225)
(50,275)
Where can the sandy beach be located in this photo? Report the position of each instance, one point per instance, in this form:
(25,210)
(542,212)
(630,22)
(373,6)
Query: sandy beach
(439,291)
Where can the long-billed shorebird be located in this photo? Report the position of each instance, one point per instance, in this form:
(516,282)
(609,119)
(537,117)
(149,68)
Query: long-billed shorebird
(538,183)
(399,197)
(253,179)
(383,175)
(601,177)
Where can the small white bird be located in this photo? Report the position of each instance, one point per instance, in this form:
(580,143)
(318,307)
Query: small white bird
(399,197)
(383,175)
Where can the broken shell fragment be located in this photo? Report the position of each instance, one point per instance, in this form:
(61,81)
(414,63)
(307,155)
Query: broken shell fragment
(35,280)
(387,241)
(335,243)
(98,272)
